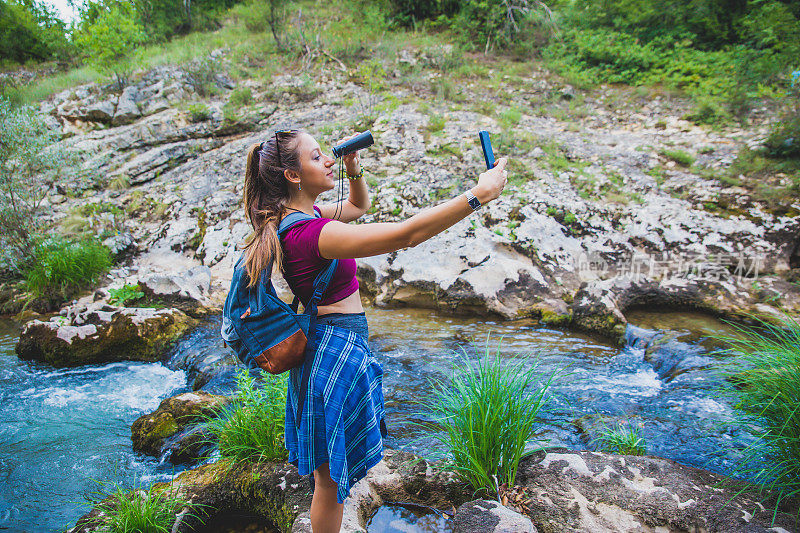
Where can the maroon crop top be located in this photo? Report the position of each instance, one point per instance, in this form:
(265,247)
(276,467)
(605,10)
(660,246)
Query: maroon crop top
(302,263)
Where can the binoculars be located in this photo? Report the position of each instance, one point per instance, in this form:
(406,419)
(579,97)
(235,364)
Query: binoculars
(362,140)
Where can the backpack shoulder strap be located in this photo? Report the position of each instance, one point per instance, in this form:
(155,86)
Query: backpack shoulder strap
(290,220)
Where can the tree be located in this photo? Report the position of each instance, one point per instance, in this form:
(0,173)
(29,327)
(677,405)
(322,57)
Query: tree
(27,158)
(31,30)
(109,37)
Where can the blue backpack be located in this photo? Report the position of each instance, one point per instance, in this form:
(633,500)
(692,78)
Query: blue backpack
(262,329)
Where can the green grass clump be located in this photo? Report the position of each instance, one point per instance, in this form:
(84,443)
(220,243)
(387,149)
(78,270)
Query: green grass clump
(126,293)
(488,411)
(621,439)
(62,267)
(436,123)
(679,156)
(140,510)
(241,96)
(198,112)
(251,427)
(767,391)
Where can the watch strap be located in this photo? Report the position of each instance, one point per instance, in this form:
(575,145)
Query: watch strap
(473,201)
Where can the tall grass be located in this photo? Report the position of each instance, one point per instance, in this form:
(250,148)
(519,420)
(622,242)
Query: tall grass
(251,427)
(62,267)
(488,411)
(767,393)
(139,510)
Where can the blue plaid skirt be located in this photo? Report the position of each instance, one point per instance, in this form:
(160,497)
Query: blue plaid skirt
(342,419)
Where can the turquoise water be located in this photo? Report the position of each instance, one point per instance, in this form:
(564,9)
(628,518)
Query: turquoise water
(61,431)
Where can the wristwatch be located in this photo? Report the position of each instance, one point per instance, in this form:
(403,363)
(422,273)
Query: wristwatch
(473,201)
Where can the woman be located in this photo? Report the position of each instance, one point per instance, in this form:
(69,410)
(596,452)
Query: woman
(340,435)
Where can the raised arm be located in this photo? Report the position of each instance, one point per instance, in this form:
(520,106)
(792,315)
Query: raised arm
(343,241)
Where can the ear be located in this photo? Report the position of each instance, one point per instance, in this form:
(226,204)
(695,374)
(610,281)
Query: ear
(291,176)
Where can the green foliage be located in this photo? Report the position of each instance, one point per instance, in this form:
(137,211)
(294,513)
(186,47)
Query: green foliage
(27,161)
(784,139)
(126,293)
(490,23)
(241,96)
(108,41)
(140,510)
(719,50)
(679,156)
(32,30)
(60,268)
(436,123)
(198,112)
(251,427)
(270,14)
(707,111)
(488,411)
(409,12)
(202,74)
(767,391)
(622,439)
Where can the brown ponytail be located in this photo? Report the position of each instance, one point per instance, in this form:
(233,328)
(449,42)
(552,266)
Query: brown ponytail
(266,193)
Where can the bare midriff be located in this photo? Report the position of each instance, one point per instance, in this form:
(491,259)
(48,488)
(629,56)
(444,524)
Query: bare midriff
(350,304)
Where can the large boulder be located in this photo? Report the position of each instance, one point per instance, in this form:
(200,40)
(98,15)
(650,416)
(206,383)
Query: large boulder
(573,491)
(100,333)
(186,290)
(150,432)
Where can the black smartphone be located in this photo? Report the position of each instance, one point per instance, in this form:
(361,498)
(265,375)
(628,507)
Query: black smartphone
(486,144)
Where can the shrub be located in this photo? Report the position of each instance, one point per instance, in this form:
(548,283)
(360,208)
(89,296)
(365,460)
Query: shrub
(202,75)
(707,112)
(241,96)
(436,123)
(488,412)
(126,293)
(198,112)
(139,510)
(27,160)
(61,267)
(621,439)
(784,139)
(679,156)
(251,427)
(767,391)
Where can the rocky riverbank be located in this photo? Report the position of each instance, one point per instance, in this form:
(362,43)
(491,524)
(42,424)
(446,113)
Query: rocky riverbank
(558,491)
(597,219)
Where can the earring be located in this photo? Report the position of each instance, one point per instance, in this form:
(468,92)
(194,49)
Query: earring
(299,188)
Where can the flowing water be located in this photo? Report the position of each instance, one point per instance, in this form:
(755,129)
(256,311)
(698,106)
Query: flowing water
(62,429)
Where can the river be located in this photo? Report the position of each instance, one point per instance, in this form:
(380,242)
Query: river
(63,431)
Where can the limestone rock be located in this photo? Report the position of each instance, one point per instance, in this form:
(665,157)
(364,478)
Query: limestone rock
(486,516)
(100,333)
(185,290)
(589,491)
(127,110)
(102,111)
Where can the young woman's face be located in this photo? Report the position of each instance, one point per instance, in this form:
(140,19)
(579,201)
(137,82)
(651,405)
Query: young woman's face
(317,174)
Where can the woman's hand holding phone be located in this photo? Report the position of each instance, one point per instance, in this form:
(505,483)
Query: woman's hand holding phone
(492,182)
